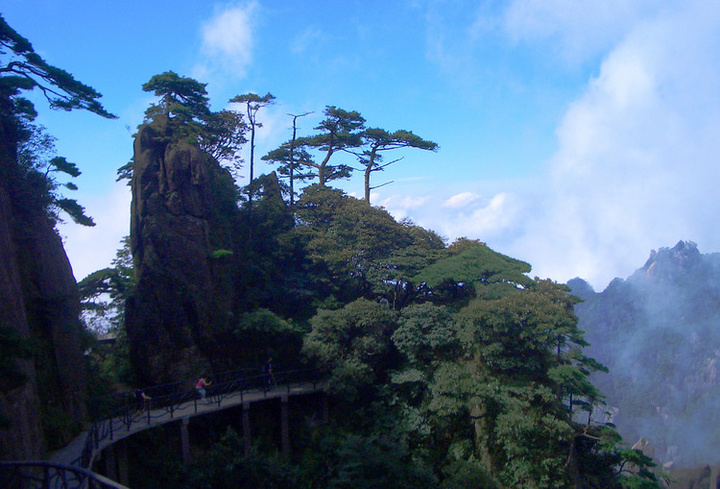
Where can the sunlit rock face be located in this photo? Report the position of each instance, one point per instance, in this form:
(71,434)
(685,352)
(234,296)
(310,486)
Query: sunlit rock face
(182,212)
(39,301)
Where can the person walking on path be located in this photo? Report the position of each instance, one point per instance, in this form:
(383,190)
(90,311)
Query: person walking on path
(142,401)
(200,387)
(268,374)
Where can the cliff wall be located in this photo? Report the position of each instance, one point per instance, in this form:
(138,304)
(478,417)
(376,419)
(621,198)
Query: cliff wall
(39,303)
(183,211)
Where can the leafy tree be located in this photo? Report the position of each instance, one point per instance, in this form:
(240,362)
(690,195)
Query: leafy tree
(340,131)
(184,112)
(353,346)
(376,141)
(223,136)
(104,292)
(426,335)
(264,334)
(477,263)
(183,99)
(276,273)
(290,158)
(27,151)
(392,276)
(378,460)
(23,69)
(345,236)
(40,172)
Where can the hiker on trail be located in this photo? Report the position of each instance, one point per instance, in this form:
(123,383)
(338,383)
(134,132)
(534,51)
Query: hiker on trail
(267,374)
(200,387)
(142,401)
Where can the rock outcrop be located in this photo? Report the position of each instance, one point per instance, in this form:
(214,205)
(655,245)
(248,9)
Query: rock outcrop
(182,219)
(657,332)
(39,302)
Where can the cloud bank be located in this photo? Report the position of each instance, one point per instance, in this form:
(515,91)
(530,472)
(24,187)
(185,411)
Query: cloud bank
(636,162)
(636,166)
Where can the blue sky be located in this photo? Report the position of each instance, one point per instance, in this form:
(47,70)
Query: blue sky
(574,135)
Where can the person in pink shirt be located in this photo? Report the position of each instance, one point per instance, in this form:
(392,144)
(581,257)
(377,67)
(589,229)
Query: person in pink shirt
(200,387)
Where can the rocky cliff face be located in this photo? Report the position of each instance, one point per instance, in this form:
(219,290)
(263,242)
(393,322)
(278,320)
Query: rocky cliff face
(39,302)
(182,220)
(657,331)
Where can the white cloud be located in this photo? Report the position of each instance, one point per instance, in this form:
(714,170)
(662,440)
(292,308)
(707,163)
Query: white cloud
(576,29)
(467,215)
(227,42)
(637,165)
(461,200)
(637,161)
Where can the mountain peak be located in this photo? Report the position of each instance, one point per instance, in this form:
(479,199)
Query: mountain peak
(667,262)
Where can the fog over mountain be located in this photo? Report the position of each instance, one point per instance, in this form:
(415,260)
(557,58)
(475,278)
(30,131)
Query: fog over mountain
(658,331)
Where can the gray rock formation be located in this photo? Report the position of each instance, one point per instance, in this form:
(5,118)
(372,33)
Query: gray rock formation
(183,212)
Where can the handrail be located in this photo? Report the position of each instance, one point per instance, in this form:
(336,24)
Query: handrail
(171,399)
(118,412)
(50,475)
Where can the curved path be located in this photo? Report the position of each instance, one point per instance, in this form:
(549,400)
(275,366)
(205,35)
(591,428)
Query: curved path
(172,403)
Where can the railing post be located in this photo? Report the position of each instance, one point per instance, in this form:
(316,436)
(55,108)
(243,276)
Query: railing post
(246,426)
(185,440)
(285,425)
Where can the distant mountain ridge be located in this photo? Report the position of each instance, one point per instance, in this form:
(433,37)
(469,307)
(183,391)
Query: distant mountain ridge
(658,331)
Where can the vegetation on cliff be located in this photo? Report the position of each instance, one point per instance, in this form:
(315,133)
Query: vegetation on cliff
(459,368)
(447,365)
(43,389)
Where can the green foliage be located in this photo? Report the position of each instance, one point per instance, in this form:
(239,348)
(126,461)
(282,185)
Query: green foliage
(476,264)
(181,98)
(377,461)
(103,294)
(375,141)
(426,335)
(353,240)
(222,137)
(217,254)
(253,103)
(353,345)
(339,131)
(31,166)
(263,333)
(183,112)
(226,466)
(23,69)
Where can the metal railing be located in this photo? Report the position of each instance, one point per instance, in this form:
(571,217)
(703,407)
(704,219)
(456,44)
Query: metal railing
(45,475)
(121,411)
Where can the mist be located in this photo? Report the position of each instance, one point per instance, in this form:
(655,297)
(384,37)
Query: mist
(657,332)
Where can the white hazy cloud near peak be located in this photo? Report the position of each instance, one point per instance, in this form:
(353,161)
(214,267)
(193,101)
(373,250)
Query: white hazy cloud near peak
(227,42)
(636,167)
